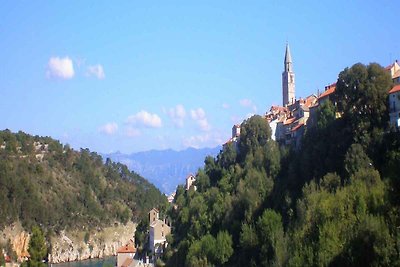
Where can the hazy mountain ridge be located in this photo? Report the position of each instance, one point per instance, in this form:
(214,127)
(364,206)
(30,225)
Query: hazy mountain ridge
(165,168)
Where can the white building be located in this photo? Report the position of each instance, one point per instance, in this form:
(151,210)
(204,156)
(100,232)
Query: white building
(394,106)
(190,179)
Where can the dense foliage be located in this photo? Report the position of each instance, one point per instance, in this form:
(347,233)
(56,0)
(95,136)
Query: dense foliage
(43,182)
(333,202)
(37,248)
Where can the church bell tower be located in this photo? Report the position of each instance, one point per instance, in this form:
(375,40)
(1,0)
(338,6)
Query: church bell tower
(288,84)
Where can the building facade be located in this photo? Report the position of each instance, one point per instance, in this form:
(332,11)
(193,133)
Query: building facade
(394,106)
(159,229)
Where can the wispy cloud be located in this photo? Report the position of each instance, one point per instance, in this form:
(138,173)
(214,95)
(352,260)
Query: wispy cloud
(200,117)
(203,140)
(146,119)
(96,71)
(61,68)
(225,106)
(248,104)
(132,132)
(109,128)
(177,114)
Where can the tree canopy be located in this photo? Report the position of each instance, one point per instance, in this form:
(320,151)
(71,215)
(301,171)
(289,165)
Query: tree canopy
(332,202)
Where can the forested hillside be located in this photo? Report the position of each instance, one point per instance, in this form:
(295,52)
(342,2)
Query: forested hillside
(43,182)
(333,202)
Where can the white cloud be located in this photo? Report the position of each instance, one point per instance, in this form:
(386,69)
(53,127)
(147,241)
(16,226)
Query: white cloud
(61,68)
(200,117)
(96,71)
(177,114)
(109,128)
(197,114)
(144,118)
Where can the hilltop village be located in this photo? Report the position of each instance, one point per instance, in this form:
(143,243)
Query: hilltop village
(289,121)
(288,124)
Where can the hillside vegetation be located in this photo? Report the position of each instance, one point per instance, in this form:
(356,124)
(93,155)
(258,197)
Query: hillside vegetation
(43,182)
(333,202)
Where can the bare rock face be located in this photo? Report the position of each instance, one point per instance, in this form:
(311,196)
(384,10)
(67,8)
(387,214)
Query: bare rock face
(20,244)
(18,237)
(82,245)
(74,245)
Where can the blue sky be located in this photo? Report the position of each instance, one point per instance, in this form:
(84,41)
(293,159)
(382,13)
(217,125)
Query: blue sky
(132,76)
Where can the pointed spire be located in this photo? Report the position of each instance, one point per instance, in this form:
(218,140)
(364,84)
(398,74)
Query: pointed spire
(288,59)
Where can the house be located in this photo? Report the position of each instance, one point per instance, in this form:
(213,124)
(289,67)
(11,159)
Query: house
(394,70)
(394,106)
(236,130)
(159,229)
(327,94)
(153,215)
(297,133)
(171,197)
(190,179)
(125,256)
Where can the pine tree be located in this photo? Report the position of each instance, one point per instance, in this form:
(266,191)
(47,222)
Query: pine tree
(37,248)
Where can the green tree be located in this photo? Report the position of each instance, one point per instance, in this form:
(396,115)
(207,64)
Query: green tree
(37,248)
(271,235)
(356,159)
(325,114)
(223,247)
(254,133)
(362,92)
(2,259)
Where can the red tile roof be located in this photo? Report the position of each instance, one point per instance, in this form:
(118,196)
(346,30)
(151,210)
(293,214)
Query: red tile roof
(395,89)
(389,67)
(329,91)
(278,108)
(127,262)
(127,249)
(310,100)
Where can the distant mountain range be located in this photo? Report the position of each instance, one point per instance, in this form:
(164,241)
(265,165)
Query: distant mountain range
(166,169)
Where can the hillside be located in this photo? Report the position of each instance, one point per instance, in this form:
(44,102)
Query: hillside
(165,168)
(334,201)
(43,182)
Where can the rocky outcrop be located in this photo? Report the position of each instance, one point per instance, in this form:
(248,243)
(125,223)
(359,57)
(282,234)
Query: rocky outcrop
(74,245)
(82,245)
(18,237)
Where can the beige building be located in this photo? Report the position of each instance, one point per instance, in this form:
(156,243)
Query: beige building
(153,215)
(125,256)
(190,179)
(394,71)
(159,229)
